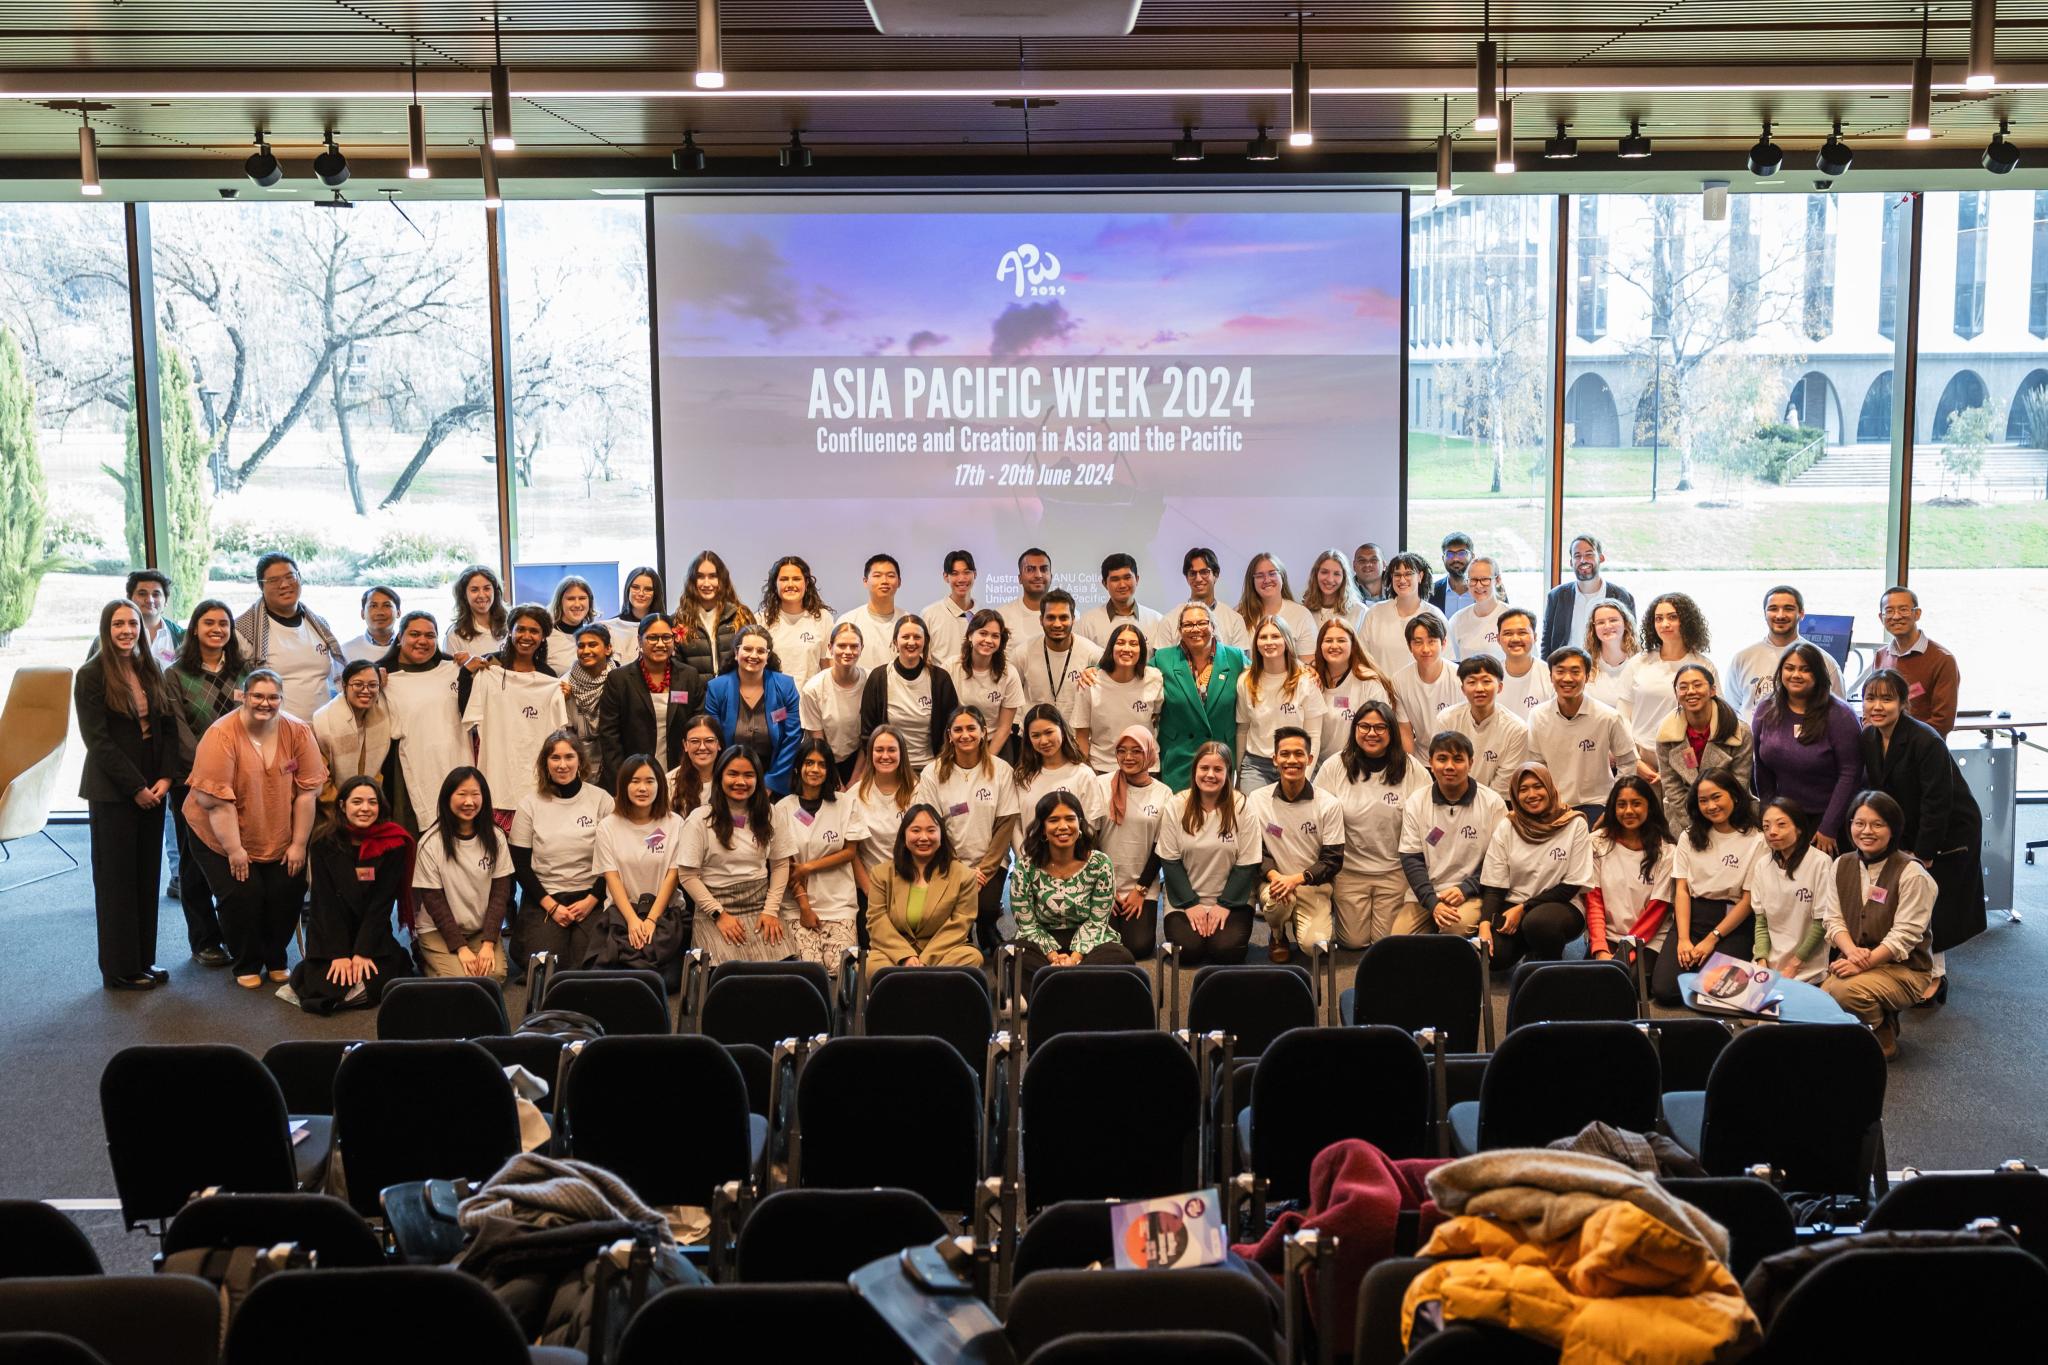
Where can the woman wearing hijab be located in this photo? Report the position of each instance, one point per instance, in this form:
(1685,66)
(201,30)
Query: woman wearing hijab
(362,883)
(1539,859)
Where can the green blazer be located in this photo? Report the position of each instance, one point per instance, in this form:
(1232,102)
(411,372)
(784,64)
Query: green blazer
(1187,719)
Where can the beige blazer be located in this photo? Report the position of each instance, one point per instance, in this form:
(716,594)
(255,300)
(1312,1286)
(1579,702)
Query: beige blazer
(943,933)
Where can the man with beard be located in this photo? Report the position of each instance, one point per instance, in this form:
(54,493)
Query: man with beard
(1571,604)
(1752,673)
(1034,576)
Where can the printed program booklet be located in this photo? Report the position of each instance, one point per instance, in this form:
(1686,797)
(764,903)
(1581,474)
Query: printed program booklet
(1729,985)
(1165,1234)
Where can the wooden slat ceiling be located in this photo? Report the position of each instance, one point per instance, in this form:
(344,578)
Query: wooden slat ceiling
(132,42)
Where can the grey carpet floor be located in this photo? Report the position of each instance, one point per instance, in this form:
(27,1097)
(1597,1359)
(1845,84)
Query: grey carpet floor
(1970,1089)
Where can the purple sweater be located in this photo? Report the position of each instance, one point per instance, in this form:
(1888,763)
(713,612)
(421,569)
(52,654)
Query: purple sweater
(1821,776)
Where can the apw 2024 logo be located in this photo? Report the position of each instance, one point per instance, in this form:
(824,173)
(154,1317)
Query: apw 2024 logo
(1031,272)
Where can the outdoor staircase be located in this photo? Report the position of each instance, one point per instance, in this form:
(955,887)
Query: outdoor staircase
(2007,469)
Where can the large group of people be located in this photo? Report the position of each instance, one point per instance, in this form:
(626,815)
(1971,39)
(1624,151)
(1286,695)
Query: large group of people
(1388,752)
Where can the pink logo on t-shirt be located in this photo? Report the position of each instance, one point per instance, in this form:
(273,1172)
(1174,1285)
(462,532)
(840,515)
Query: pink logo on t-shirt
(656,840)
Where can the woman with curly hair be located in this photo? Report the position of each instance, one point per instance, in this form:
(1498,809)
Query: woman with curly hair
(708,614)
(1677,636)
(797,620)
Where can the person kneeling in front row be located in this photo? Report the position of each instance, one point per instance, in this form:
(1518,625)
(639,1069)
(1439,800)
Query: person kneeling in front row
(1063,893)
(1879,925)
(362,879)
(921,905)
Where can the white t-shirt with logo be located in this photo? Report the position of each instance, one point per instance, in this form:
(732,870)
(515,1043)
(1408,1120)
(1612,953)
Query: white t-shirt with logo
(510,716)
(1110,707)
(1500,744)
(991,695)
(1584,752)
(1452,839)
(945,632)
(1790,905)
(563,835)
(1275,709)
(1075,779)
(836,825)
(465,878)
(299,657)
(1340,705)
(1473,634)
(1129,844)
(825,708)
(1050,676)
(1372,812)
(800,644)
(1209,854)
(1294,832)
(427,728)
(971,800)
(1522,869)
(1624,892)
(1422,704)
(641,854)
(721,868)
(877,636)
(1753,673)
(1520,697)
(1718,871)
(880,819)
(910,711)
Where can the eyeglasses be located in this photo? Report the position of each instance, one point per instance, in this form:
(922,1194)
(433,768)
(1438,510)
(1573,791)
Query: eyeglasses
(666,637)
(1868,827)
(280,580)
(1374,729)
(1477,580)
(370,686)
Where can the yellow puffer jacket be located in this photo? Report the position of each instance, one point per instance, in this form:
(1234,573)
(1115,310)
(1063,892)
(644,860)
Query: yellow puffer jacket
(1624,1289)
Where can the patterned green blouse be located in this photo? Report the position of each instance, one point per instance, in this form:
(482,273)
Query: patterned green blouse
(1042,903)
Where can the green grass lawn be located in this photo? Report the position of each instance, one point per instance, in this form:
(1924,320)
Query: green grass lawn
(1460,467)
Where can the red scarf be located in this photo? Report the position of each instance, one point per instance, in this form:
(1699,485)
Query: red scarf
(378,840)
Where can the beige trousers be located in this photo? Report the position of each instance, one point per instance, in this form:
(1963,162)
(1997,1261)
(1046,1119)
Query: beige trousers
(1305,919)
(1871,995)
(441,962)
(1373,905)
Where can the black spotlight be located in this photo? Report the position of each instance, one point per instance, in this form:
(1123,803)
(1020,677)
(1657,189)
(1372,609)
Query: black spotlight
(1635,146)
(1766,156)
(1262,148)
(1560,148)
(262,167)
(1185,148)
(331,167)
(2001,156)
(796,156)
(1834,157)
(688,157)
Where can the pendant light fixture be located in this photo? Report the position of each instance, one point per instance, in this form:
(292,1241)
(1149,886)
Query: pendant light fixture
(710,47)
(501,139)
(1920,120)
(1487,72)
(1301,130)
(1443,157)
(416,166)
(1982,72)
(88,156)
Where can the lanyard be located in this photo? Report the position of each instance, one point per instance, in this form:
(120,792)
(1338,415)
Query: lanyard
(1053,680)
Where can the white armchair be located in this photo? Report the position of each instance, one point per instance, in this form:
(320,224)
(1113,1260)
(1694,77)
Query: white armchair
(33,730)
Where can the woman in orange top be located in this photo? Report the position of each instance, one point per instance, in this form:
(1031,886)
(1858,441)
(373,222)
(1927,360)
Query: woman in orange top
(255,778)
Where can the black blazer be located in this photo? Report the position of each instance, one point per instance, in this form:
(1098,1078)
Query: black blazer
(625,717)
(874,705)
(1919,773)
(1557,613)
(119,762)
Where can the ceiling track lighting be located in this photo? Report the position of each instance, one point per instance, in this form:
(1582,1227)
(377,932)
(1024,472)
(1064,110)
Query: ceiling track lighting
(1504,140)
(1561,147)
(2001,156)
(1301,130)
(1635,146)
(1982,72)
(796,156)
(1486,73)
(261,167)
(416,167)
(1834,158)
(1186,148)
(1920,118)
(1443,158)
(88,156)
(688,158)
(710,47)
(1766,157)
(1262,147)
(330,168)
(500,138)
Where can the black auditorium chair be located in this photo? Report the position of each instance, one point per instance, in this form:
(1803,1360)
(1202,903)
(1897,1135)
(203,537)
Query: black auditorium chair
(37,1240)
(1317,1086)
(706,977)
(423,1007)
(1480,1343)
(1418,981)
(417,1315)
(180,1117)
(432,1110)
(1889,1303)
(46,1348)
(304,1070)
(798,1236)
(758,1067)
(319,1223)
(539,1053)
(1253,1004)
(952,1003)
(1804,1099)
(1377,1338)
(1544,991)
(622,1004)
(809,1322)
(1085,999)
(763,1008)
(1055,1303)
(1548,1080)
(667,1114)
(1687,1049)
(1758,1221)
(127,1319)
(1109,1116)
(646,976)
(2017,1198)
(931,1141)
(1070,1235)
(1147,1348)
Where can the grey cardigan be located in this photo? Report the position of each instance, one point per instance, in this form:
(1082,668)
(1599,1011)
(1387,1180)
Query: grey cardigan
(1675,775)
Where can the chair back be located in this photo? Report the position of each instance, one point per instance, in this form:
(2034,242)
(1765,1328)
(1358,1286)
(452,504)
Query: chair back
(539,1053)
(182,1116)
(1318,1086)
(1055,1303)
(1829,1314)
(952,1003)
(429,1110)
(931,1143)
(1418,981)
(1089,1000)
(127,1319)
(1545,991)
(1255,1005)
(34,727)
(646,976)
(38,1241)
(1687,1049)
(422,1314)
(46,1348)
(1804,1098)
(1142,1348)
(763,1008)
(1943,1203)
(424,1007)
(304,1070)
(1758,1221)
(319,1223)
(622,1004)
(794,1236)
(1548,1080)
(813,972)
(667,1113)
(733,1321)
(1071,1235)
(1109,1116)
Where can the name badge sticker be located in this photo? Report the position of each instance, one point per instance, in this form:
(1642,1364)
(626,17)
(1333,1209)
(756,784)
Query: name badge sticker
(1434,837)
(366,874)
(779,714)
(1916,691)
(1274,831)
(1343,703)
(804,817)
(1692,760)
(1879,895)
(957,808)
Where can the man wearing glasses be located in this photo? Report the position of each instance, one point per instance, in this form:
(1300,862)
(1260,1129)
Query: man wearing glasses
(1451,594)
(1932,678)
(280,634)
(1571,604)
(1198,566)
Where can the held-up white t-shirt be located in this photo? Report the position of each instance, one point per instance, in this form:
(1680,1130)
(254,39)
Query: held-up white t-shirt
(699,851)
(563,835)
(464,879)
(1110,707)
(1372,812)
(427,729)
(1624,892)
(971,801)
(641,854)
(1074,779)
(1208,855)
(836,825)
(1452,839)
(825,708)
(800,644)
(510,716)
(1718,871)
(1294,832)
(1275,709)
(1522,869)
(1130,843)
